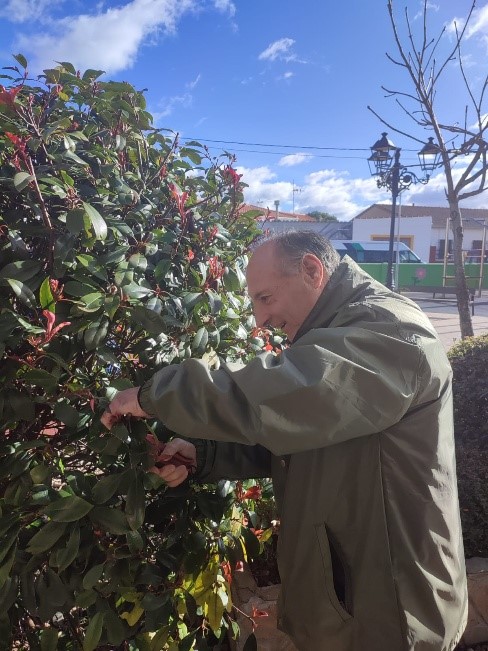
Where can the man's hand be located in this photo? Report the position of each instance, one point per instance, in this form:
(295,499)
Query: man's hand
(125,403)
(173,461)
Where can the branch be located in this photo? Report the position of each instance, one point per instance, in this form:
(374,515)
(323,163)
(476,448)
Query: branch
(387,124)
(397,92)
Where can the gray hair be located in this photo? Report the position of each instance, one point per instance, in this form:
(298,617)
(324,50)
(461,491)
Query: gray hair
(295,244)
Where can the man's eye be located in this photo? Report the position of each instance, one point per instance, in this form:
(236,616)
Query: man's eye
(265,299)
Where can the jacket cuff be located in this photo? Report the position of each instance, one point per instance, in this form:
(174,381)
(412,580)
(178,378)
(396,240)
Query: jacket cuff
(204,457)
(144,398)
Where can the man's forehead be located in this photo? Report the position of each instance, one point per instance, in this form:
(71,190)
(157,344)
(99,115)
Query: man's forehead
(264,255)
(261,270)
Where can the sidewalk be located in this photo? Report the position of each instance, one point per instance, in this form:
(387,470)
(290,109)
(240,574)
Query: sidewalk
(445,317)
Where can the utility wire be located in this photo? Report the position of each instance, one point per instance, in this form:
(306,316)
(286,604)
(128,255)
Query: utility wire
(262,144)
(282,153)
(282,146)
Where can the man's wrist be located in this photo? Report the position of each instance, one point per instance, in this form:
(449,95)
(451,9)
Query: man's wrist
(143,398)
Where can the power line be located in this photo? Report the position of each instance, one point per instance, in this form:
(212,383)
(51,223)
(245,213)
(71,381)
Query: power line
(282,146)
(282,153)
(262,144)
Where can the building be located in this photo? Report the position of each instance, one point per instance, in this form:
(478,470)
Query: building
(422,228)
(277,221)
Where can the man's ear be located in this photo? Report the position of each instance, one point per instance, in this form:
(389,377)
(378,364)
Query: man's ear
(314,272)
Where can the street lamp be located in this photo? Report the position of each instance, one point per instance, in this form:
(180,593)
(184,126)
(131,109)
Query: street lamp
(385,166)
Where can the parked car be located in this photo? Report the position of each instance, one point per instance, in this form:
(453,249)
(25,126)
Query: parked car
(374,251)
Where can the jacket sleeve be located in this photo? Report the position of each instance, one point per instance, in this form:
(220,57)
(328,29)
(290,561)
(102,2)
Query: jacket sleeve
(331,385)
(217,460)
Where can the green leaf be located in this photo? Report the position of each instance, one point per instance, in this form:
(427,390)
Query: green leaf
(253,547)
(75,220)
(96,220)
(93,632)
(92,302)
(86,598)
(214,610)
(46,297)
(91,75)
(22,270)
(92,265)
(93,575)
(95,333)
(49,639)
(116,632)
(67,555)
(151,321)
(134,541)
(22,405)
(67,414)
(68,509)
(106,487)
(6,565)
(41,378)
(110,520)
(22,180)
(138,261)
(135,502)
(200,341)
(23,292)
(20,58)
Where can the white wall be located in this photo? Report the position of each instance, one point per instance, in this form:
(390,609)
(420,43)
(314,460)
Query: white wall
(470,234)
(418,228)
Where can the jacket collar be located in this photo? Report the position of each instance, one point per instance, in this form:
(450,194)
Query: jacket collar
(348,284)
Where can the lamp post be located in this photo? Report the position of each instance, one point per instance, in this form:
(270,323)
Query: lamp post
(385,166)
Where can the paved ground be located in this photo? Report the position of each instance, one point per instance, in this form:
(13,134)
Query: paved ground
(445,317)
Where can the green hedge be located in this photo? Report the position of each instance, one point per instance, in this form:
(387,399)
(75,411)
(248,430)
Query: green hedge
(469,359)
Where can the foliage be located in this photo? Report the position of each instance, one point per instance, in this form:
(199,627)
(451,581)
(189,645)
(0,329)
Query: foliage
(322,216)
(469,360)
(121,251)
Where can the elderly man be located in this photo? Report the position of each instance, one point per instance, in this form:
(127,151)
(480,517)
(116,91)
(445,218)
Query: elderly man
(354,423)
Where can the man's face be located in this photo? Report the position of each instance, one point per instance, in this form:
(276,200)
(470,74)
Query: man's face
(279,300)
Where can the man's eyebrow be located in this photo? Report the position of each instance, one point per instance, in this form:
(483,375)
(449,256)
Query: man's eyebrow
(260,294)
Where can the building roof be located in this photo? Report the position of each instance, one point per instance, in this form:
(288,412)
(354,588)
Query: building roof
(472,217)
(268,214)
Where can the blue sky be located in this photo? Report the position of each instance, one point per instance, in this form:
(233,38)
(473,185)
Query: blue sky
(290,80)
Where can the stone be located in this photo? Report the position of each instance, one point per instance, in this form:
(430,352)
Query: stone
(260,605)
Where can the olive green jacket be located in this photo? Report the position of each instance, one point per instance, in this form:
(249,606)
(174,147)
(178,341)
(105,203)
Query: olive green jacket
(354,422)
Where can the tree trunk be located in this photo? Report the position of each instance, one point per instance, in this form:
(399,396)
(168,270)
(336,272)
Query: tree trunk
(465,323)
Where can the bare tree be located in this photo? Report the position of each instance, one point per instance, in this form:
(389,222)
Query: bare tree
(417,56)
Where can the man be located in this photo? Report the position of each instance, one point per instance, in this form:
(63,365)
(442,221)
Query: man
(354,423)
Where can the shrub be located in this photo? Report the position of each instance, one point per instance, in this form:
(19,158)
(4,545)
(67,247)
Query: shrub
(469,359)
(121,251)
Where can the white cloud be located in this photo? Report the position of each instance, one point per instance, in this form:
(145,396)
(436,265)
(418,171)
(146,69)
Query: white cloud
(278,50)
(226,6)
(169,105)
(21,11)
(478,24)
(332,191)
(326,190)
(294,159)
(192,84)
(109,40)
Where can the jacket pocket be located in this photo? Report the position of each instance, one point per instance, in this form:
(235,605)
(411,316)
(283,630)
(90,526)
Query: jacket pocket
(337,574)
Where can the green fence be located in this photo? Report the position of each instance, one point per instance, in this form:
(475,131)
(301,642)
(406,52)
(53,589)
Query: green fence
(426,274)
